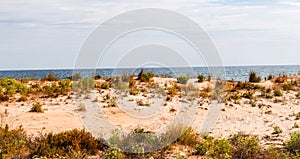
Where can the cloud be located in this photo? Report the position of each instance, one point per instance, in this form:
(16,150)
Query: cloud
(56,26)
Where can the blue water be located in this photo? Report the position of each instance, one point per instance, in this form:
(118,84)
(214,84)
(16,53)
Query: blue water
(236,73)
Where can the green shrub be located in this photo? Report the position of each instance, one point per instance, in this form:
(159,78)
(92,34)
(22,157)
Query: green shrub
(286,87)
(277,92)
(3,98)
(295,125)
(50,77)
(37,107)
(84,85)
(64,86)
(257,86)
(189,137)
(1,90)
(248,95)
(253,77)
(293,145)
(201,78)
(268,95)
(104,85)
(134,91)
(66,143)
(297,95)
(297,116)
(277,130)
(245,146)
(81,107)
(13,142)
(182,79)
(214,148)
(145,76)
(75,77)
(112,153)
(23,98)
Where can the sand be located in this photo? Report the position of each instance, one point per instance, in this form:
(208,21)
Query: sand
(62,114)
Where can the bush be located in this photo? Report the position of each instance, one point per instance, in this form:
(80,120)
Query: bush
(245,146)
(84,85)
(277,92)
(277,130)
(248,95)
(23,98)
(182,79)
(145,76)
(104,85)
(112,153)
(253,77)
(66,143)
(3,98)
(201,78)
(75,77)
(13,143)
(50,77)
(286,87)
(189,137)
(64,86)
(37,107)
(134,91)
(297,116)
(214,148)
(293,145)
(81,107)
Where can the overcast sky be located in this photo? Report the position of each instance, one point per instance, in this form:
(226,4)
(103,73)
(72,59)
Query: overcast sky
(37,34)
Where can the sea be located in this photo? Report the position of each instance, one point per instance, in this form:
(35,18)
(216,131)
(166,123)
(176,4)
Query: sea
(232,73)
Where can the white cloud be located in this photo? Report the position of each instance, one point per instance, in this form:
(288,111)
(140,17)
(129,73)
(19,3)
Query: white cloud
(228,22)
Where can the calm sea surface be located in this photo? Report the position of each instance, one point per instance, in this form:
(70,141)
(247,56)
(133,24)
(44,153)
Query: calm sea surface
(236,73)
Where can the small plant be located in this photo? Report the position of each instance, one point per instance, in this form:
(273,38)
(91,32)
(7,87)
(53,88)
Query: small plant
(201,78)
(295,125)
(145,76)
(286,87)
(112,153)
(277,130)
(112,102)
(81,107)
(253,77)
(37,107)
(182,79)
(298,94)
(23,98)
(104,85)
(297,116)
(268,95)
(3,98)
(134,91)
(277,93)
(189,137)
(248,95)
(293,145)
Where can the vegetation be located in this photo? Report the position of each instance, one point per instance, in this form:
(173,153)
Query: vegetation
(37,107)
(145,76)
(277,92)
(81,144)
(104,85)
(182,79)
(293,145)
(81,107)
(201,78)
(277,130)
(253,77)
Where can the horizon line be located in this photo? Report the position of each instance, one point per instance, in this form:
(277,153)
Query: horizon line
(44,69)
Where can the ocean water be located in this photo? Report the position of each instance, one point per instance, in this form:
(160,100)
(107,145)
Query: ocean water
(235,73)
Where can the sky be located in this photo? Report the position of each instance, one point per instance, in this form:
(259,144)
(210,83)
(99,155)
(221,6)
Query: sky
(47,34)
